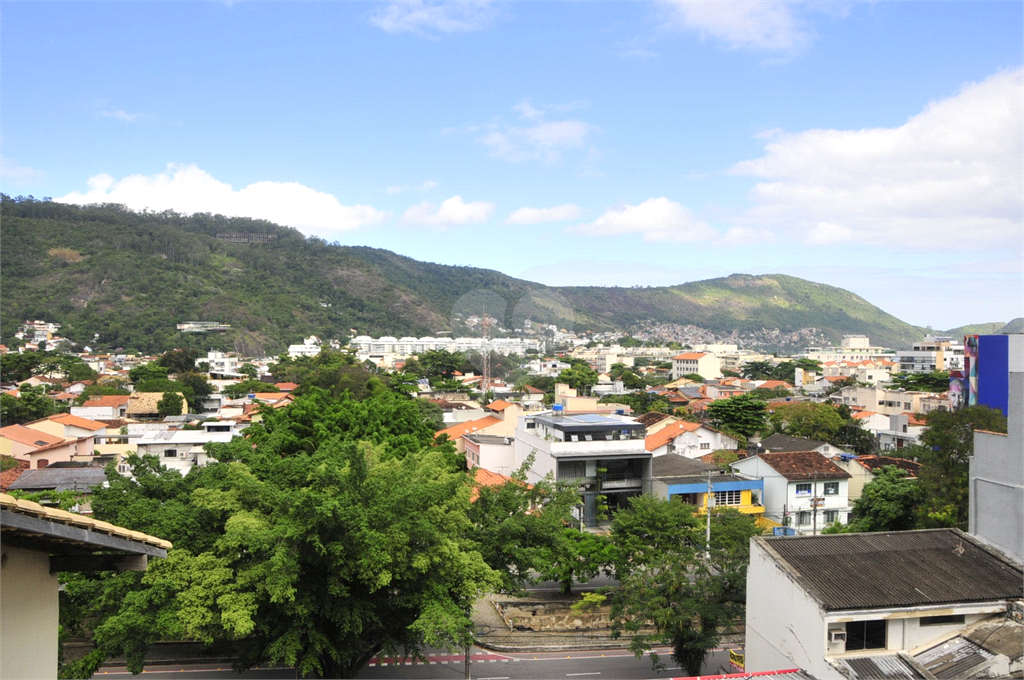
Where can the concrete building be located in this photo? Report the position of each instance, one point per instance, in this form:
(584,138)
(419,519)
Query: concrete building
(934,353)
(38,544)
(997,468)
(851,348)
(706,365)
(492,452)
(882,400)
(603,455)
(882,605)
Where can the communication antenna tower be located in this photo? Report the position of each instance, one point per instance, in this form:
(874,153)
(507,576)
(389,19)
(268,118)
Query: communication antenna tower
(485,382)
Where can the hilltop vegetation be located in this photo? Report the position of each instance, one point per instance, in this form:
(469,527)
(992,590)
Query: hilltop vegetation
(118,278)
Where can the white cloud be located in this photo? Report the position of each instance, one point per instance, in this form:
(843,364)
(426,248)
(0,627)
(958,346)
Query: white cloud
(765,25)
(427,18)
(188,189)
(558,213)
(949,178)
(452,212)
(528,110)
(658,219)
(121,115)
(544,141)
(402,188)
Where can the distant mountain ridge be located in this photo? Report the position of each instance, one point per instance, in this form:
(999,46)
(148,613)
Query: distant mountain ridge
(129,277)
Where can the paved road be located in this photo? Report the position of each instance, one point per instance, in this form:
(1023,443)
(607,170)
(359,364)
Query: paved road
(486,665)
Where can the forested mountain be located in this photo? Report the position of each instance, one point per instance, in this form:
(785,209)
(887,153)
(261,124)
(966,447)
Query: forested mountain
(130,277)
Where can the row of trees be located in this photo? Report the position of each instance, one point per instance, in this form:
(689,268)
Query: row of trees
(338,529)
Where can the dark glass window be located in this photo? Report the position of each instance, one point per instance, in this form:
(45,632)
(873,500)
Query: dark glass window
(865,635)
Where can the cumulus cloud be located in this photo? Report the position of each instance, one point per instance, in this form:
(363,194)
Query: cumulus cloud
(428,18)
(950,174)
(657,219)
(559,213)
(188,189)
(452,212)
(763,25)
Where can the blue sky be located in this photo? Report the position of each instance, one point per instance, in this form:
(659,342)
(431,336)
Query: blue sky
(873,146)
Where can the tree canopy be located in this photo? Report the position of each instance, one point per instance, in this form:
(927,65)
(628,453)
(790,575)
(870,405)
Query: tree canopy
(336,531)
(743,414)
(673,581)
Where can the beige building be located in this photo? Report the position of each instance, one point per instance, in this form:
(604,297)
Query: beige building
(706,365)
(38,544)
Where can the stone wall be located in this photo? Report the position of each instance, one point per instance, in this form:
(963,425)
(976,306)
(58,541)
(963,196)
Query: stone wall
(552,616)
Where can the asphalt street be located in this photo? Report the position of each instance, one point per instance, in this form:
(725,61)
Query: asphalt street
(583,665)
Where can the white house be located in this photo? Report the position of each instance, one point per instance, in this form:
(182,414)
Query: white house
(106,407)
(691,440)
(180,450)
(802,489)
(491,452)
(890,604)
(310,347)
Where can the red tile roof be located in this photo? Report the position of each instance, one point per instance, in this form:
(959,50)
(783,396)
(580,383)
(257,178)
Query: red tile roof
(668,433)
(693,356)
(876,463)
(108,401)
(456,431)
(801,465)
(8,477)
(530,389)
(286,386)
(28,436)
(914,419)
(75,421)
(498,405)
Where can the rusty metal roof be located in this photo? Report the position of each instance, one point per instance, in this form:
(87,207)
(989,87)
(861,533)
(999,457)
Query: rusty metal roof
(897,569)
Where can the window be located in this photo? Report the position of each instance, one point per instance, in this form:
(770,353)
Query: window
(831,488)
(831,516)
(530,425)
(803,489)
(803,518)
(865,635)
(705,445)
(942,620)
(170,453)
(906,405)
(572,469)
(728,498)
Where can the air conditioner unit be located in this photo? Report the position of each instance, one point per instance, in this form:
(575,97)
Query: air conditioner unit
(183,454)
(837,636)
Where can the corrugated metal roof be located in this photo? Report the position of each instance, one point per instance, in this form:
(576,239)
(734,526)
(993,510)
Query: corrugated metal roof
(897,569)
(884,667)
(953,658)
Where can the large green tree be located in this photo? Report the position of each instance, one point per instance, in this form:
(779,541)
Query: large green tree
(674,582)
(334,532)
(742,414)
(889,502)
(31,404)
(581,377)
(947,446)
(518,527)
(808,419)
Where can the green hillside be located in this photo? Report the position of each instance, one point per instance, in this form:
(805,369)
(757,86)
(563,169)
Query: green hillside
(129,277)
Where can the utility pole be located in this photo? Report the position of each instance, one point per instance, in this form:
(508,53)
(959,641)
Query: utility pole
(709,500)
(814,505)
(469,643)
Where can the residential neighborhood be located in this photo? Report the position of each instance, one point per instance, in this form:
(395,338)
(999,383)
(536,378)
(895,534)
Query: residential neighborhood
(615,424)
